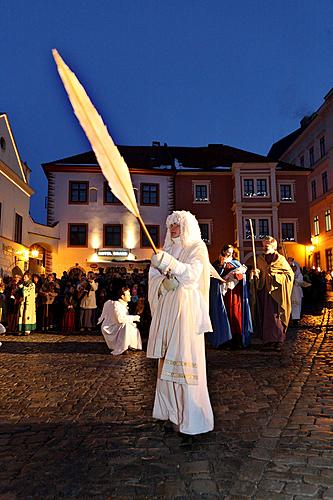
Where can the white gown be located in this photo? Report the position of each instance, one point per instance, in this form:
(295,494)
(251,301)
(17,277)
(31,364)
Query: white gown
(118,328)
(179,319)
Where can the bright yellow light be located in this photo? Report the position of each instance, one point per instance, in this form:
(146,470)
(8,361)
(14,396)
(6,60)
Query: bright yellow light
(94,258)
(34,254)
(26,254)
(310,248)
(131,231)
(96,241)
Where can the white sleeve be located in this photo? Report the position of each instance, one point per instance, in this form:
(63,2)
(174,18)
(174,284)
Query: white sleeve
(185,273)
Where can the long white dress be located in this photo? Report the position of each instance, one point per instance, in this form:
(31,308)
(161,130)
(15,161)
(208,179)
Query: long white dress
(118,327)
(297,295)
(176,337)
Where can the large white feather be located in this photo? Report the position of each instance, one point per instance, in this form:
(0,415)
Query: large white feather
(110,160)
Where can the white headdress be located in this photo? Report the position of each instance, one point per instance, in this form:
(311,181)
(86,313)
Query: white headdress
(189,228)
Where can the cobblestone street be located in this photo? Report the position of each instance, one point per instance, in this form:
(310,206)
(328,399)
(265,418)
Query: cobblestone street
(76,422)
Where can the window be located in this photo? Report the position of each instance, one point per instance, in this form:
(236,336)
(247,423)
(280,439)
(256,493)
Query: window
(288,231)
(262,187)
(78,192)
(324,180)
(301,160)
(260,228)
(322,147)
(109,197)
(255,187)
(248,187)
(316,225)
(286,192)
(316,259)
(328,224)
(311,156)
(201,192)
(2,143)
(18,228)
(150,194)
(112,235)
(77,235)
(154,232)
(313,190)
(329,259)
(263,228)
(206,231)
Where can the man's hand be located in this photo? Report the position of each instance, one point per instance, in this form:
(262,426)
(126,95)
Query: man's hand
(156,259)
(254,273)
(136,318)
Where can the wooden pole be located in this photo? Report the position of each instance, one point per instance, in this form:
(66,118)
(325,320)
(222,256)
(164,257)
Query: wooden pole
(253,245)
(147,234)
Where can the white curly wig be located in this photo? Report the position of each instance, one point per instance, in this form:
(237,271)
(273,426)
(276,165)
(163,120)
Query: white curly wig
(189,228)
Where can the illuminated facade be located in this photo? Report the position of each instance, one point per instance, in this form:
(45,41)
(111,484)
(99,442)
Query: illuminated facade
(221,185)
(311,145)
(24,244)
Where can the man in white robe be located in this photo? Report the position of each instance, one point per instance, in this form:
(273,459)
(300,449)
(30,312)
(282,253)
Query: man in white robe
(178,294)
(118,327)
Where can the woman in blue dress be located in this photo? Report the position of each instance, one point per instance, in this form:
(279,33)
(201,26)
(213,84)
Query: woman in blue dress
(229,303)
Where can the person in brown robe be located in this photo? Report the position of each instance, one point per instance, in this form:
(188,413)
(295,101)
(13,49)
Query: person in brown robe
(272,283)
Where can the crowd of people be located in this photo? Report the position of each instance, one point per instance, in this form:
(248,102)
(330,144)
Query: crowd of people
(70,303)
(178,298)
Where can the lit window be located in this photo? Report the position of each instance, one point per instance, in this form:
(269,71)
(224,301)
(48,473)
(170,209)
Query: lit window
(154,232)
(328,224)
(112,235)
(77,235)
(316,225)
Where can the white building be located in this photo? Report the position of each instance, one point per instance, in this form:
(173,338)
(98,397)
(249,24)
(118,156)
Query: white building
(95,229)
(24,244)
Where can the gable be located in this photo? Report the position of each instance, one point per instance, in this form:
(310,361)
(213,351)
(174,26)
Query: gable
(8,150)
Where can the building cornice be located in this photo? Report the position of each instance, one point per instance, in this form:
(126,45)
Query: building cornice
(15,179)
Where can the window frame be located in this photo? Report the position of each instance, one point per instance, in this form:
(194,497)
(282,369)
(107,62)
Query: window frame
(106,187)
(329,259)
(316,225)
(322,146)
(324,181)
(70,224)
(143,235)
(209,223)
(105,245)
(328,220)
(142,185)
(311,156)
(313,190)
(291,184)
(255,226)
(255,179)
(18,228)
(70,201)
(208,186)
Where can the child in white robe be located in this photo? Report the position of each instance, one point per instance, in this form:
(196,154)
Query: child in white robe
(118,327)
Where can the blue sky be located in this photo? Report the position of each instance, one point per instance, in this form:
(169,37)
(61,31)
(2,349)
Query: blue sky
(185,72)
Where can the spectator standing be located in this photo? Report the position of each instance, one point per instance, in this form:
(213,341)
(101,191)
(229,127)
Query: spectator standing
(27,313)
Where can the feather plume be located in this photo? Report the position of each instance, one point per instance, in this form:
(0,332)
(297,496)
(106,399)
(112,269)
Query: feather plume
(113,165)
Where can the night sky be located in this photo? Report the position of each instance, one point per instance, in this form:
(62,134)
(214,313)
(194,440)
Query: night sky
(185,72)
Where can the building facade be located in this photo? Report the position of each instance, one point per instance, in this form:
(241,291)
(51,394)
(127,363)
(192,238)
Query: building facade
(24,244)
(311,146)
(223,186)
